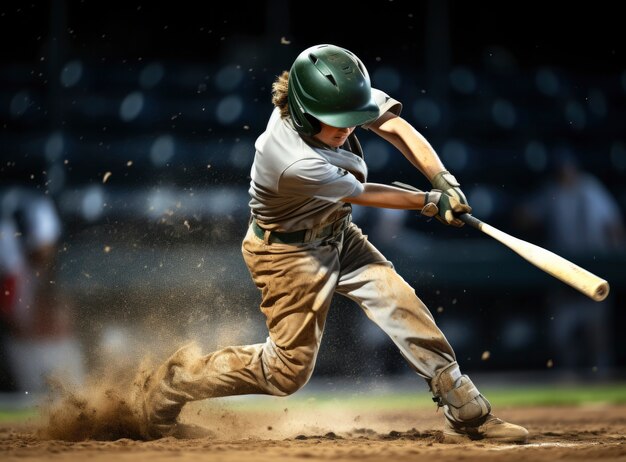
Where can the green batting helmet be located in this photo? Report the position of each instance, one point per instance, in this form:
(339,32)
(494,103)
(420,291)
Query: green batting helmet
(330,84)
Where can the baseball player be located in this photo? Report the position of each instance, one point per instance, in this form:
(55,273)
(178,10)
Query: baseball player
(301,248)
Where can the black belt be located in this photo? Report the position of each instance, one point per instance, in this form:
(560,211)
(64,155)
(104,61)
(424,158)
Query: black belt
(304,235)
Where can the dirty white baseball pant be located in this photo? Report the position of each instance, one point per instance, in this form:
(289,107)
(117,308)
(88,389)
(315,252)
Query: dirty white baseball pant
(297,283)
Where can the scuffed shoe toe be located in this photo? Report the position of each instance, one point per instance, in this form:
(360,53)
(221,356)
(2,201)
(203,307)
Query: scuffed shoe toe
(490,428)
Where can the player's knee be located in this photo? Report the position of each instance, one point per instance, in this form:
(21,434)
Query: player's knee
(291,372)
(287,384)
(289,380)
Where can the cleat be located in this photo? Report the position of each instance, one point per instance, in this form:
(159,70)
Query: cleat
(467,412)
(158,402)
(183,431)
(487,428)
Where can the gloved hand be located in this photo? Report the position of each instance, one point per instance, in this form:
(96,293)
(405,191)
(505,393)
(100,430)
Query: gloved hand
(440,205)
(444,208)
(452,202)
(431,200)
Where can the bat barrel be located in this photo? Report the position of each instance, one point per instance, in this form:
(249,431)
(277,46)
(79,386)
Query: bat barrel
(579,278)
(601,291)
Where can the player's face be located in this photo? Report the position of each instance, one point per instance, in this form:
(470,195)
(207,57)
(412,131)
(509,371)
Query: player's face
(333,136)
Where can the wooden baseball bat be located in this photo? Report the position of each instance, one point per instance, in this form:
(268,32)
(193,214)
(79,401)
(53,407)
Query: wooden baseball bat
(579,278)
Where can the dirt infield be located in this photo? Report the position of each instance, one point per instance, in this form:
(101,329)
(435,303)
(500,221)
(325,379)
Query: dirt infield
(309,433)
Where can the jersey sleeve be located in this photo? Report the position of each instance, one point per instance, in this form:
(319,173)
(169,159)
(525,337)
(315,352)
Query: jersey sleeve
(385,103)
(317,178)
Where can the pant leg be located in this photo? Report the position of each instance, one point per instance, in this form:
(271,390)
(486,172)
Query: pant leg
(297,283)
(368,278)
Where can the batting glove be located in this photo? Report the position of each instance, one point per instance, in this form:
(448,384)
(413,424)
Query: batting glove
(431,200)
(452,202)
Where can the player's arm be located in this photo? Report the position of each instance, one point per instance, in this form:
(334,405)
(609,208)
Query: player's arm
(421,154)
(430,203)
(409,142)
(390,197)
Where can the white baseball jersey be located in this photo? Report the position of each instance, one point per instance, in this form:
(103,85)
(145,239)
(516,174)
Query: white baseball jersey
(297,182)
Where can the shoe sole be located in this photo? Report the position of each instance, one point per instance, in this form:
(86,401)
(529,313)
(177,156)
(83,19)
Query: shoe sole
(457,438)
(191,432)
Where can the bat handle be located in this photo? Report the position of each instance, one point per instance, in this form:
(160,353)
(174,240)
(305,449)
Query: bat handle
(471,220)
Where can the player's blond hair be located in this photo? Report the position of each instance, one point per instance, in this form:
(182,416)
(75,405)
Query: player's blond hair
(279,93)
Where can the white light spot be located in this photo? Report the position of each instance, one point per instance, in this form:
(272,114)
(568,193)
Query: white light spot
(54,146)
(427,112)
(71,73)
(92,204)
(575,115)
(160,202)
(56,178)
(241,155)
(151,75)
(377,152)
(20,103)
(229,109)
(228,78)
(114,341)
(387,79)
(454,154)
(162,150)
(463,80)
(481,200)
(517,333)
(547,82)
(536,156)
(458,332)
(131,106)
(503,113)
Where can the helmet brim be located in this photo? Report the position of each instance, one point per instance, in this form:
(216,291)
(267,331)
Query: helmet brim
(350,119)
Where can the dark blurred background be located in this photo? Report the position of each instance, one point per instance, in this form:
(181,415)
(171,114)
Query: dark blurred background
(138,120)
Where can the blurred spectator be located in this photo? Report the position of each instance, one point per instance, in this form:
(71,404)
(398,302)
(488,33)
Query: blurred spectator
(581,221)
(36,325)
